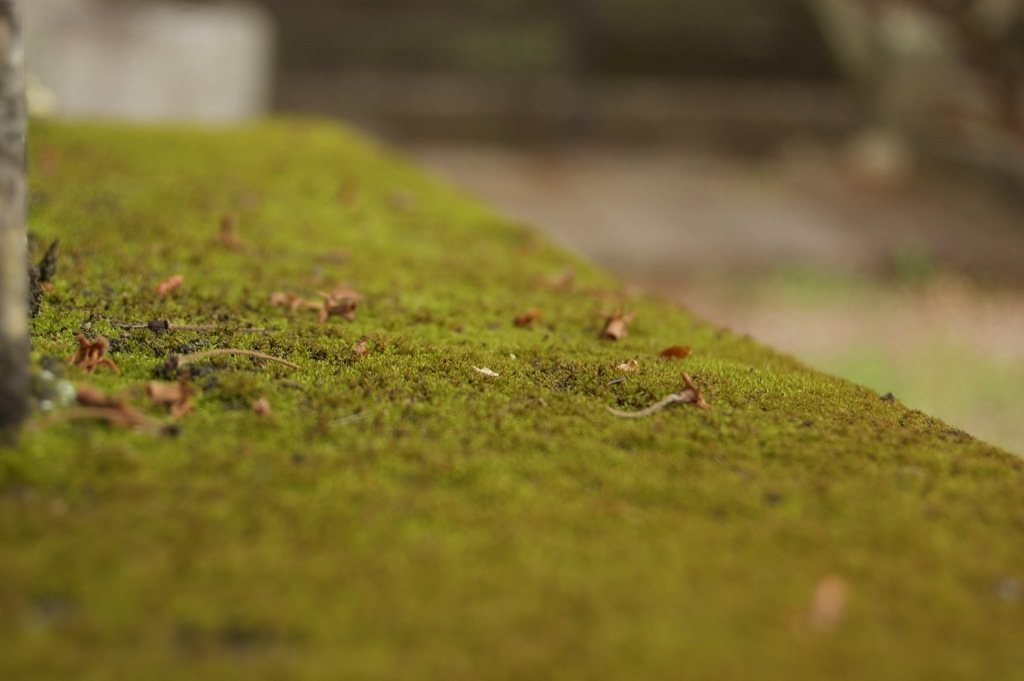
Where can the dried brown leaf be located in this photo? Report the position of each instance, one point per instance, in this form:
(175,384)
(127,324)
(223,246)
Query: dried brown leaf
(829,603)
(615,325)
(169,284)
(676,352)
(91,355)
(341,302)
(528,317)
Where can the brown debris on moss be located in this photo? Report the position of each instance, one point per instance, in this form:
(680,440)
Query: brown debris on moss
(691,394)
(175,396)
(527,318)
(91,355)
(615,325)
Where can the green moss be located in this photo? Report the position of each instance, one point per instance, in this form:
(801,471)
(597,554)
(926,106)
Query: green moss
(401,516)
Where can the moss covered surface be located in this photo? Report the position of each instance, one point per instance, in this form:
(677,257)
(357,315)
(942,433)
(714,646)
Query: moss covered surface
(402,516)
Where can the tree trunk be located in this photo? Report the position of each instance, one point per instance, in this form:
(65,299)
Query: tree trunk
(14,342)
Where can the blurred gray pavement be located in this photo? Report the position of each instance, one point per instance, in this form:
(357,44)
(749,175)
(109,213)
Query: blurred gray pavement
(659,215)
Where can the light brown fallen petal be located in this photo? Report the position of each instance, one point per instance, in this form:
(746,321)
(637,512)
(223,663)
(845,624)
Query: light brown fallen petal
(485,371)
(615,325)
(676,351)
(169,284)
(829,603)
(631,365)
(527,318)
(261,407)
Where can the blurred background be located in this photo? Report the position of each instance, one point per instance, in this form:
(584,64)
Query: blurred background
(841,179)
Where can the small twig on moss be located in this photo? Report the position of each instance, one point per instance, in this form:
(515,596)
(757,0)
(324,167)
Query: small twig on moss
(96,405)
(162,325)
(177,361)
(691,394)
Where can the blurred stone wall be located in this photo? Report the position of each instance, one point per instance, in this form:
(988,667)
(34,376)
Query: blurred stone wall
(528,68)
(160,59)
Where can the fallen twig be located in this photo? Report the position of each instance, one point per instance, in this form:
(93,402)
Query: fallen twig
(96,405)
(161,325)
(688,395)
(178,361)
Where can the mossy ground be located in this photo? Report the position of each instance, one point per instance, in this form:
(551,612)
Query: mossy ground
(401,516)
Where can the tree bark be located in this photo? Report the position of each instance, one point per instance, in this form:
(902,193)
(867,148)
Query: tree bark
(14,339)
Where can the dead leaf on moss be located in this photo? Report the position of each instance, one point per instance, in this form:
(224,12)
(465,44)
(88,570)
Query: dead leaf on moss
(261,407)
(91,355)
(169,284)
(527,318)
(629,366)
(360,348)
(675,352)
(615,325)
(486,372)
(829,604)
(341,302)
(175,396)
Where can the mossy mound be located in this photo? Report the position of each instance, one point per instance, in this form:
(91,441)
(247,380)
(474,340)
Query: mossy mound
(400,515)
